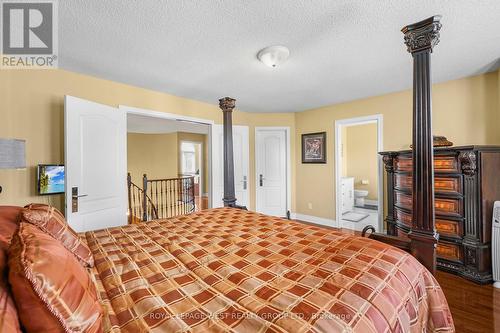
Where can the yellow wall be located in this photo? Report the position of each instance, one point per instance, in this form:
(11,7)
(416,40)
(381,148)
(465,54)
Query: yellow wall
(466,111)
(32,105)
(156,155)
(360,157)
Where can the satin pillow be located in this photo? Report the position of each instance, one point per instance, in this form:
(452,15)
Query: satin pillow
(52,291)
(52,221)
(9,222)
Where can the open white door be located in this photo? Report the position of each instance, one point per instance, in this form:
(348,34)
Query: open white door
(96,165)
(271,171)
(241,158)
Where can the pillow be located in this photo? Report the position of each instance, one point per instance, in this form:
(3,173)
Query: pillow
(52,291)
(9,222)
(52,221)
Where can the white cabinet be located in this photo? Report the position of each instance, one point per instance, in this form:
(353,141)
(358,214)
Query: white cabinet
(347,190)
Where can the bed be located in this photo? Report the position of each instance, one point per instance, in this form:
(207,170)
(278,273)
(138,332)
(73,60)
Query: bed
(228,269)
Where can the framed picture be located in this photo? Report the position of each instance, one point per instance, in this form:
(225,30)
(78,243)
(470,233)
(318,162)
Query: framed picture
(314,148)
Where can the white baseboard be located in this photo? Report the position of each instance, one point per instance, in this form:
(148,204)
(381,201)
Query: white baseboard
(371,202)
(313,219)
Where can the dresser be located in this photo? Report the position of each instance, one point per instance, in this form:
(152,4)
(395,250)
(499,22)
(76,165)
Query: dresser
(466,184)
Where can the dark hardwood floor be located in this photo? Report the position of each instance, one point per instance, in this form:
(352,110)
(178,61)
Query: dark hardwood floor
(475,308)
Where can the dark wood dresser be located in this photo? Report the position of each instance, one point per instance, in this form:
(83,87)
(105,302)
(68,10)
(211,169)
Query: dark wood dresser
(466,183)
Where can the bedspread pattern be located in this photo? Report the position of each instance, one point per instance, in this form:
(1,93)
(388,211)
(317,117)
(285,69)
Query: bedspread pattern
(231,270)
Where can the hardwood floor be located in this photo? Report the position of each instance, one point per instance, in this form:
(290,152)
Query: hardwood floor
(475,308)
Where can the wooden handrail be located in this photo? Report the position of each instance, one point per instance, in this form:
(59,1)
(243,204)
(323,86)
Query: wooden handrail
(165,179)
(140,206)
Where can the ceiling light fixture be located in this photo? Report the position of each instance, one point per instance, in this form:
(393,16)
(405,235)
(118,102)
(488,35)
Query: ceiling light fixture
(273,56)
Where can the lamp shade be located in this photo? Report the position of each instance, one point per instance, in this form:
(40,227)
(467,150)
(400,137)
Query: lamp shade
(12,154)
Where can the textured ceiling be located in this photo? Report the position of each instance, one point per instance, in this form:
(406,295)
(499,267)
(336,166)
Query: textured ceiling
(152,125)
(204,50)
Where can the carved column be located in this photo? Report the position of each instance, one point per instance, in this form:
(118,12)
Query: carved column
(420,38)
(227,105)
(388,159)
(473,249)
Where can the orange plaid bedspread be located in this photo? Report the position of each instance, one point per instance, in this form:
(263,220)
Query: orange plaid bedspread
(226,270)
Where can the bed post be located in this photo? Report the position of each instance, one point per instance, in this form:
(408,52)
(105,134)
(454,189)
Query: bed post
(227,105)
(420,38)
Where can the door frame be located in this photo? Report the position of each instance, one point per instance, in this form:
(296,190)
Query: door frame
(288,188)
(339,124)
(172,116)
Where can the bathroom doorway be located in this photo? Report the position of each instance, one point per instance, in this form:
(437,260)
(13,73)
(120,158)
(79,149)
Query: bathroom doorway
(359,173)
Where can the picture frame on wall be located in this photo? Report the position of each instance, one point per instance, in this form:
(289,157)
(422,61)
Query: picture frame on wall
(314,147)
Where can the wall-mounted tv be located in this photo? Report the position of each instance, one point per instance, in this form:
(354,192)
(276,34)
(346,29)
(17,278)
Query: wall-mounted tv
(50,179)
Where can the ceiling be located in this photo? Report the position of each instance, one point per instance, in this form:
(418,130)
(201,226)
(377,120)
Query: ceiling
(152,125)
(340,50)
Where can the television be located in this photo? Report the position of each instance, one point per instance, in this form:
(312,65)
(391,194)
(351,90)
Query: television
(50,179)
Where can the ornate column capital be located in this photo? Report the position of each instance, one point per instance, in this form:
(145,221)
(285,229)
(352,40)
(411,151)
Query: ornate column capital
(468,161)
(227,104)
(423,35)
(389,162)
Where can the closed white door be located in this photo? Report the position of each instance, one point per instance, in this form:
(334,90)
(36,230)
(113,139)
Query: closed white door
(241,158)
(96,165)
(271,171)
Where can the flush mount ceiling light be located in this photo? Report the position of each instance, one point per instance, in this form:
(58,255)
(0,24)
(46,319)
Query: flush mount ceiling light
(273,56)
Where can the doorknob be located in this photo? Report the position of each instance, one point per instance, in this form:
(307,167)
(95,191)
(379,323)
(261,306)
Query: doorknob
(261,180)
(244,181)
(74,199)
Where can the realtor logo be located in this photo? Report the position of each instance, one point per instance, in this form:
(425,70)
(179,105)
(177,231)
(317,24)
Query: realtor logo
(29,34)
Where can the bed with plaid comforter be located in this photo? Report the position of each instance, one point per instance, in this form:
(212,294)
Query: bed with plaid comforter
(229,270)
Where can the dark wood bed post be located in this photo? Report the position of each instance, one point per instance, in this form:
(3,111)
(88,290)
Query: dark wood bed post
(420,38)
(227,105)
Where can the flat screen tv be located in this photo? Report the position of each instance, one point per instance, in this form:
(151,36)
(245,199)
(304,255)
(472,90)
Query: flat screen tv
(50,179)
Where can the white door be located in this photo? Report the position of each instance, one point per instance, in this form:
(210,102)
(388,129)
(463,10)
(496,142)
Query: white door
(96,164)
(271,171)
(241,157)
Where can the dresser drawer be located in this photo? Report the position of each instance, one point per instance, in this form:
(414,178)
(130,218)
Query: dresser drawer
(403,200)
(442,164)
(449,228)
(448,207)
(449,251)
(444,227)
(448,185)
(403,217)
